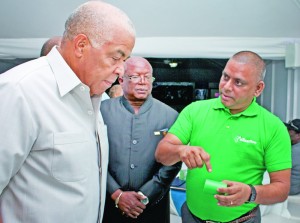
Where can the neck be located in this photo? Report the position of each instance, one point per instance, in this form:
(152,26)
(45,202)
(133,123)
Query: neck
(136,105)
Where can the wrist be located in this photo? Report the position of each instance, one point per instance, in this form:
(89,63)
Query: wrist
(252,195)
(118,199)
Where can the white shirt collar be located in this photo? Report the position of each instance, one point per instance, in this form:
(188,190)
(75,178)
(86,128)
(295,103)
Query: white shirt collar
(66,79)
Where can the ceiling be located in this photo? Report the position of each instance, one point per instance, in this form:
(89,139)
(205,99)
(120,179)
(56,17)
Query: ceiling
(178,18)
(164,23)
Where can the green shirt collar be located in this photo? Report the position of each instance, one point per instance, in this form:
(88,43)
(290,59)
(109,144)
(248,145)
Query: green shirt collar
(252,110)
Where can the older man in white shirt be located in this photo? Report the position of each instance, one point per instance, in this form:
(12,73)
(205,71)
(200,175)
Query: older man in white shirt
(53,143)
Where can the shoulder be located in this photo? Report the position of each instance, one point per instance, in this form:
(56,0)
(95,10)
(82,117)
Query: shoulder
(199,106)
(269,119)
(109,104)
(163,107)
(22,72)
(272,127)
(296,147)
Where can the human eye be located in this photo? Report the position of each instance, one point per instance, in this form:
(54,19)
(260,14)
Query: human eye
(119,55)
(134,78)
(149,79)
(239,83)
(225,77)
(116,58)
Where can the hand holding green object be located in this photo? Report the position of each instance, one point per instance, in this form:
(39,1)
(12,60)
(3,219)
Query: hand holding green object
(211,186)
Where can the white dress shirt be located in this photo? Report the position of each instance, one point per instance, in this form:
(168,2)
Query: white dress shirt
(51,168)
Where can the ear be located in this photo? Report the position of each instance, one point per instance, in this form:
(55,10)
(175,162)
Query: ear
(80,43)
(259,88)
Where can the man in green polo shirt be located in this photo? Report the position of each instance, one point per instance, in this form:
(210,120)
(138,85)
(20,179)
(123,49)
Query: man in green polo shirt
(237,140)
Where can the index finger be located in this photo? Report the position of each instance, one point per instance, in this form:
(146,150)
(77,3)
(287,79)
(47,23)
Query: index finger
(206,159)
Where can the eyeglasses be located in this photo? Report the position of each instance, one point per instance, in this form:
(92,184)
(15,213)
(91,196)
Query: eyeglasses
(292,125)
(137,79)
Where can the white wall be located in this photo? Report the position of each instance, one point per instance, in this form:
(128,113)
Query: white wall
(280,95)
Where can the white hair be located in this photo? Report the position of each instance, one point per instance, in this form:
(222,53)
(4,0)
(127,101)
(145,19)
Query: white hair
(98,21)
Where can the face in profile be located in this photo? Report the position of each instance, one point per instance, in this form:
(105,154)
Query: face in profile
(101,66)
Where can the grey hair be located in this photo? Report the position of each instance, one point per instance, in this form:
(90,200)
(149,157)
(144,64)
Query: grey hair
(250,57)
(98,21)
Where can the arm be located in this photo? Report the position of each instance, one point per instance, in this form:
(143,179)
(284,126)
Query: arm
(129,202)
(277,190)
(159,185)
(239,193)
(17,135)
(170,150)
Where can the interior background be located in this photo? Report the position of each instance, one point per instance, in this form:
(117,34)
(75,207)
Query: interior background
(207,32)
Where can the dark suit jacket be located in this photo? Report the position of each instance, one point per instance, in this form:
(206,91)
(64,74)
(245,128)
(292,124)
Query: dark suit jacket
(132,143)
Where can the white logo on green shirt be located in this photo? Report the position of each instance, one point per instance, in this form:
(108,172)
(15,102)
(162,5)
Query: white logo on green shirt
(241,139)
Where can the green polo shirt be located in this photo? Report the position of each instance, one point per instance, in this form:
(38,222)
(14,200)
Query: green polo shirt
(242,147)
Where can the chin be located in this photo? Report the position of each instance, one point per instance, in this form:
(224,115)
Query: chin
(96,93)
(143,97)
(226,104)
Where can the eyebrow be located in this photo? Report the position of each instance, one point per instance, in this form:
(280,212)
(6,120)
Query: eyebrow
(121,53)
(243,81)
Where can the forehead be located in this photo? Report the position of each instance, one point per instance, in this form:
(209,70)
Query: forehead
(120,44)
(239,70)
(139,68)
(114,49)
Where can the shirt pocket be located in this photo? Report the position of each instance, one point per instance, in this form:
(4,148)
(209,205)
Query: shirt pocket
(70,156)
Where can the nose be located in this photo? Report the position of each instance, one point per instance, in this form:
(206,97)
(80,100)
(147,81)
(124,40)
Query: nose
(120,70)
(142,79)
(227,86)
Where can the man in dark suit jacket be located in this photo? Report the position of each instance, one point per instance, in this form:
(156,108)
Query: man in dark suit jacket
(138,186)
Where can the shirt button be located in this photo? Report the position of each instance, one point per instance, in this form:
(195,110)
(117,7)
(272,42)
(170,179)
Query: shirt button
(90,112)
(132,166)
(82,88)
(134,142)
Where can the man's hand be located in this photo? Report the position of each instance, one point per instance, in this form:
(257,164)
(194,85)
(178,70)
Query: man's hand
(194,156)
(236,194)
(130,204)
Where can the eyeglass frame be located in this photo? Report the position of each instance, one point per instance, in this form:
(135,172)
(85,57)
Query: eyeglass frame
(292,125)
(139,78)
